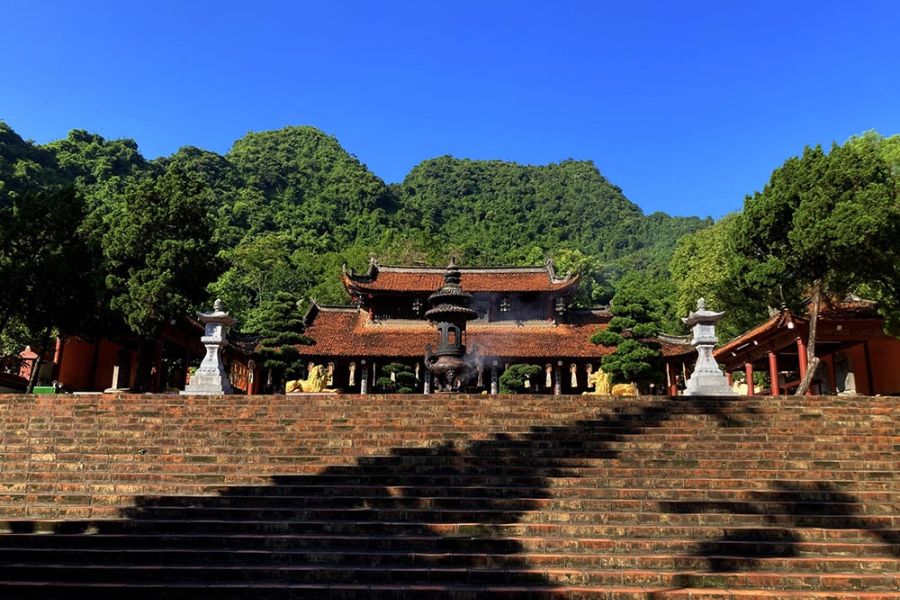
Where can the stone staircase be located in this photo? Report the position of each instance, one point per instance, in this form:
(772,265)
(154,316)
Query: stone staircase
(458,496)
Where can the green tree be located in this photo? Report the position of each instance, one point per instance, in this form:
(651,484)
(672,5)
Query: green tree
(512,380)
(280,326)
(160,255)
(631,332)
(47,267)
(24,167)
(403,381)
(825,224)
(703,266)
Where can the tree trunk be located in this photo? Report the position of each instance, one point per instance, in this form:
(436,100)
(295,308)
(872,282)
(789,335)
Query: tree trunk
(4,321)
(812,362)
(142,376)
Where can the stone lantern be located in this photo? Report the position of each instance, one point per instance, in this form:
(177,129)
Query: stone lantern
(707,379)
(211,377)
(449,312)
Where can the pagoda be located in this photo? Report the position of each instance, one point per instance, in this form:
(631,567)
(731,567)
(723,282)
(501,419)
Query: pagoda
(450,312)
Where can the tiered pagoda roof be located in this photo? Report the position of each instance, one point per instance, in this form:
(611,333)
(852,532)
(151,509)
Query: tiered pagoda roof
(348,332)
(387,279)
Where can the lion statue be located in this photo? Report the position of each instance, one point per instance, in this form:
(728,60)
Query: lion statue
(599,380)
(603,386)
(313,384)
(624,389)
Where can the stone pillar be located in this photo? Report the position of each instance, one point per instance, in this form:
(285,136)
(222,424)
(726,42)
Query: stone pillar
(707,379)
(669,384)
(801,356)
(557,384)
(121,376)
(363,378)
(495,380)
(748,373)
(211,377)
(773,374)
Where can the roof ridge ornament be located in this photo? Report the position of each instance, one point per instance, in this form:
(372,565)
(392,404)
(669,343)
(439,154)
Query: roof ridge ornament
(373,265)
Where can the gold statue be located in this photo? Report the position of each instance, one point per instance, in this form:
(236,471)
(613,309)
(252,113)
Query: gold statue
(603,386)
(624,389)
(314,384)
(599,380)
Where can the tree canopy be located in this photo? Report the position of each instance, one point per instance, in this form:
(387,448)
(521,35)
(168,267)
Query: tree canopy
(283,210)
(631,332)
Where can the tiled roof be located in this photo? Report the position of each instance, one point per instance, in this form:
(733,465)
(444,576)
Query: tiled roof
(774,322)
(675,349)
(427,279)
(348,332)
(848,310)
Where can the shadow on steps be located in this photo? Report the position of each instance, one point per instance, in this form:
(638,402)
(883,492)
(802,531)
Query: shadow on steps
(456,520)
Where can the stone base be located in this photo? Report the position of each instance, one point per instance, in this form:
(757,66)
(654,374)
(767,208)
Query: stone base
(207,385)
(708,384)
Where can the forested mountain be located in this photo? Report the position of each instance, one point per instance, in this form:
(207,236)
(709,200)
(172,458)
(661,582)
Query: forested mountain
(283,210)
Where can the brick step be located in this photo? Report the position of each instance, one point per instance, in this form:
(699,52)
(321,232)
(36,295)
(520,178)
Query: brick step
(850,458)
(515,575)
(205,472)
(180,483)
(65,411)
(635,450)
(825,504)
(186,591)
(523,513)
(325,556)
(764,434)
(294,445)
(771,543)
(473,529)
(725,515)
(295,495)
(427,464)
(461,399)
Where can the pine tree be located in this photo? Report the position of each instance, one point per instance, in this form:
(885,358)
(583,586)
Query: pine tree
(281,328)
(631,332)
(512,380)
(403,381)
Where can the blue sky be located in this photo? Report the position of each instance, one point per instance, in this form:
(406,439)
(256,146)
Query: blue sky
(687,106)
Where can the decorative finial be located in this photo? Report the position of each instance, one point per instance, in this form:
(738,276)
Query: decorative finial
(452,275)
(701,304)
(218,305)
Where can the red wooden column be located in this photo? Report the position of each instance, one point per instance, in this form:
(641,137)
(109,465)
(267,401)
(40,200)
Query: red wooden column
(773,373)
(729,378)
(58,356)
(748,372)
(252,376)
(801,351)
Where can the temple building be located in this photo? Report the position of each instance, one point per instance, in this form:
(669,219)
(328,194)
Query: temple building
(856,356)
(523,315)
